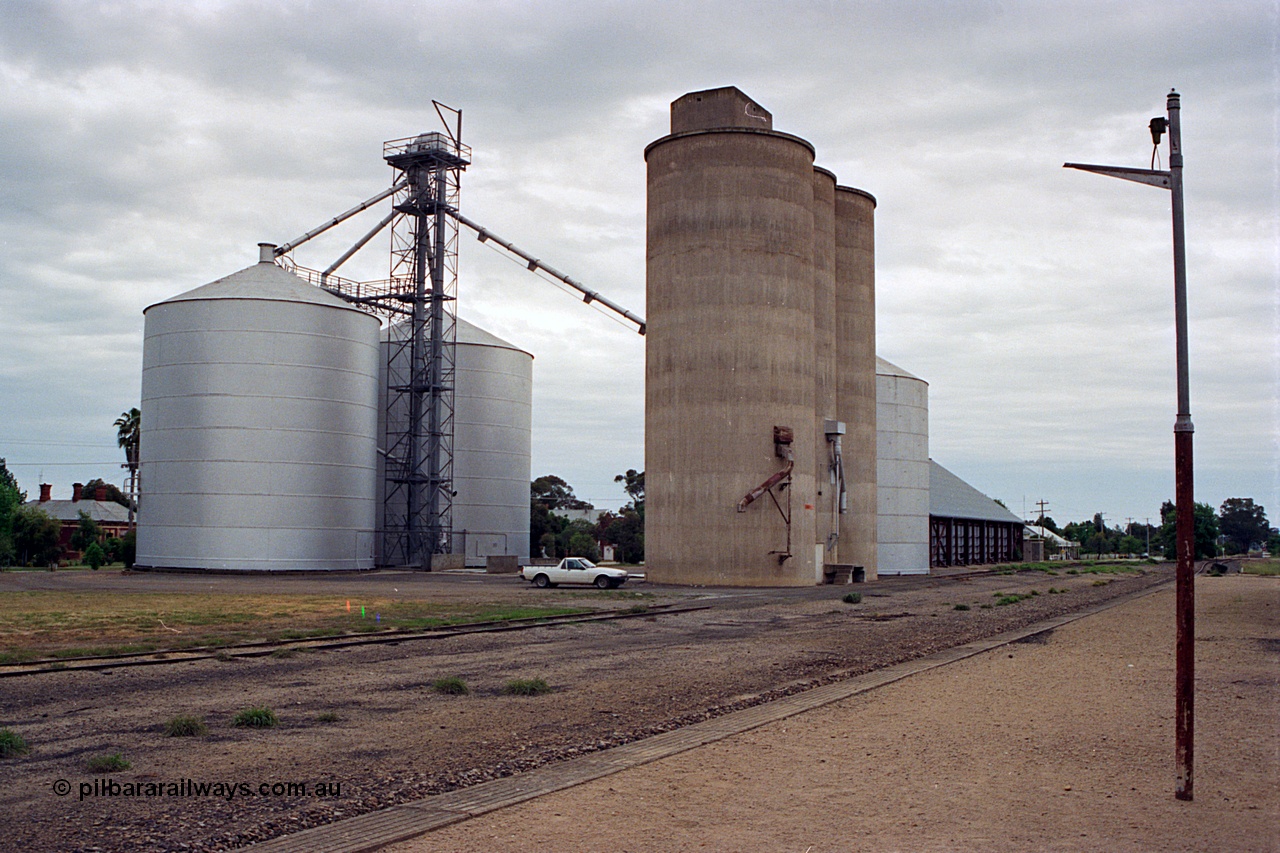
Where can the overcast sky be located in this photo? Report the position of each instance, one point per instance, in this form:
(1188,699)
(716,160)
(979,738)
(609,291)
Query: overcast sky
(146,148)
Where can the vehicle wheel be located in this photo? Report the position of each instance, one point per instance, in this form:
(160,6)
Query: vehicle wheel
(541,581)
(603,581)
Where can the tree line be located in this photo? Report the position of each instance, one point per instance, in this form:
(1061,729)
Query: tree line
(1239,526)
(554,535)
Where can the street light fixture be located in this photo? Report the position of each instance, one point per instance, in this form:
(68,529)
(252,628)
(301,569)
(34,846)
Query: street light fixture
(1184,493)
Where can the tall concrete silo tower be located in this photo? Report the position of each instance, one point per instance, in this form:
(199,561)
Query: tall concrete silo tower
(259,417)
(760,366)
(856,370)
(730,353)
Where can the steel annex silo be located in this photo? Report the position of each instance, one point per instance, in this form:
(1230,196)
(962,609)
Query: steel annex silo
(730,346)
(259,421)
(856,365)
(902,463)
(492,444)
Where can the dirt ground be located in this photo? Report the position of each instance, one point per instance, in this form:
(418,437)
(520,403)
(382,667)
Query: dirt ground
(1062,744)
(366,718)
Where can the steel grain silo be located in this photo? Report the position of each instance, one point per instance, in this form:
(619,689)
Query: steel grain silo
(902,463)
(492,444)
(730,346)
(258,440)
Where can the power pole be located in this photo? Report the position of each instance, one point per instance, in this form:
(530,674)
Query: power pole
(1183,430)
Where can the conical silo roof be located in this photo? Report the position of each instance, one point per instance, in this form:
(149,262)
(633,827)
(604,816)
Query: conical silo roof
(263,280)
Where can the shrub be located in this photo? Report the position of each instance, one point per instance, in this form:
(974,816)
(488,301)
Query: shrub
(185,725)
(451,686)
(256,718)
(526,687)
(852,598)
(94,556)
(11,744)
(961,607)
(113,763)
(128,548)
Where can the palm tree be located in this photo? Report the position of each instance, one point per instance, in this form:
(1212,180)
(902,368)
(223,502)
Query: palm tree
(128,431)
(128,435)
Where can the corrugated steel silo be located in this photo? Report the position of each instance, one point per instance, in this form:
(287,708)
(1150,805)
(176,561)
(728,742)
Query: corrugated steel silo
(856,342)
(902,451)
(730,345)
(492,444)
(258,441)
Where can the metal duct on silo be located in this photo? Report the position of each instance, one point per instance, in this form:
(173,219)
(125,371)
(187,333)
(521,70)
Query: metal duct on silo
(258,427)
(730,346)
(902,462)
(856,342)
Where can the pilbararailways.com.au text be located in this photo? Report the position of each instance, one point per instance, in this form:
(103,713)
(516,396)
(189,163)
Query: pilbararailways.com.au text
(100,788)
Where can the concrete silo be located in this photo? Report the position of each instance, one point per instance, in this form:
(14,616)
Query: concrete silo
(492,445)
(856,360)
(259,419)
(827,463)
(902,463)
(730,347)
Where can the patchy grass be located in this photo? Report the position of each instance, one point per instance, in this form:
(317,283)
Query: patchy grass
(961,607)
(328,717)
(256,718)
(112,763)
(11,744)
(451,686)
(50,624)
(1268,566)
(1003,599)
(526,687)
(185,725)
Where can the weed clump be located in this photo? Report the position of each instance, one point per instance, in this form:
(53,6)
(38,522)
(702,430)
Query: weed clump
(451,686)
(256,718)
(961,607)
(852,598)
(11,744)
(328,717)
(185,725)
(113,763)
(526,687)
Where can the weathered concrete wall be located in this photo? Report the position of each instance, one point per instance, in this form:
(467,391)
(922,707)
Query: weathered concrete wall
(856,344)
(730,355)
(827,508)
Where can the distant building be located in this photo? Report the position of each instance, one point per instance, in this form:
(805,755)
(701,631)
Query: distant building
(111,517)
(1044,542)
(967,528)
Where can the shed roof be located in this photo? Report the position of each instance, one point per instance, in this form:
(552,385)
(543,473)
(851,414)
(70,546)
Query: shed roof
(951,497)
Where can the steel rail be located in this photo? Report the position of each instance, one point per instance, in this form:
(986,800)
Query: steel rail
(262,648)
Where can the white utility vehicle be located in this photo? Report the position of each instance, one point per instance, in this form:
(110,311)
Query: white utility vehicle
(575,570)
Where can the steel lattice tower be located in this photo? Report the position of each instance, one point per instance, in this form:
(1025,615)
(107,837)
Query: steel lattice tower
(421,356)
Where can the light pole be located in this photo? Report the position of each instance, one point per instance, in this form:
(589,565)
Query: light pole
(1184,492)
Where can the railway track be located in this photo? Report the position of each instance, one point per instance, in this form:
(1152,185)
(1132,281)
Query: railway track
(263,648)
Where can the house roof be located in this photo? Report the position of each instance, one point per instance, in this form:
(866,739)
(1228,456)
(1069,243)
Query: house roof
(1049,536)
(100,511)
(951,497)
